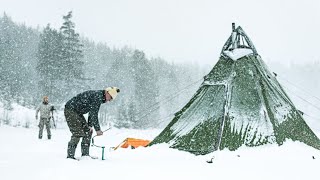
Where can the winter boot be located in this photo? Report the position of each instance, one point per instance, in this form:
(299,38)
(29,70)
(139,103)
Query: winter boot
(85,149)
(71,150)
(73,158)
(49,136)
(85,144)
(72,145)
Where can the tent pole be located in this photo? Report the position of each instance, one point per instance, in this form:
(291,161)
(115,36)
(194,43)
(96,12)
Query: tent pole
(102,152)
(223,119)
(226,105)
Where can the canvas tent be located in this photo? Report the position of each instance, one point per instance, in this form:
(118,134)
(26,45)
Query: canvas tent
(239,103)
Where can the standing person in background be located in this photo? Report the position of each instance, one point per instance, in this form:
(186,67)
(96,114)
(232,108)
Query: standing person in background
(75,108)
(44,108)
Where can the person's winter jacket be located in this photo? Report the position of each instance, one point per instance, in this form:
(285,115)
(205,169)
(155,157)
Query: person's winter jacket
(88,102)
(44,110)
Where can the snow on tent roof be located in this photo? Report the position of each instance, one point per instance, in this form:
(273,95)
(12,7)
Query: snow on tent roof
(239,103)
(238,53)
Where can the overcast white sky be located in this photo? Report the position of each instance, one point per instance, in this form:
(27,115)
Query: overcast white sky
(185,30)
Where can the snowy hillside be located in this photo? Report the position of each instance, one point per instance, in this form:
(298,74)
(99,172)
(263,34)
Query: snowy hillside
(19,116)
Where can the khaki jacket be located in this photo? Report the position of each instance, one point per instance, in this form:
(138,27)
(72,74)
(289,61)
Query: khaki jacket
(44,110)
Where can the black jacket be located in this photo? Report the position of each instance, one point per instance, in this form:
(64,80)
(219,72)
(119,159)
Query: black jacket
(88,102)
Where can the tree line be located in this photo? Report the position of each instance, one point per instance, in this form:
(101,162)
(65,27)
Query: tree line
(60,63)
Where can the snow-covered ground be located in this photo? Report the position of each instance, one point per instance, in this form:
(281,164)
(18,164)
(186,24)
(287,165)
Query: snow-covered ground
(23,156)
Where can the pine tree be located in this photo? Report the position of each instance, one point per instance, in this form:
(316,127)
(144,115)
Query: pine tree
(132,111)
(119,75)
(71,55)
(11,69)
(49,61)
(167,79)
(123,119)
(146,90)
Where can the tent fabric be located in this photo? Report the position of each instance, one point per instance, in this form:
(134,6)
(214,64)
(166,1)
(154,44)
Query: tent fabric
(133,143)
(239,103)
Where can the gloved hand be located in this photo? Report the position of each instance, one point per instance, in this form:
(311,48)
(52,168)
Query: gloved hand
(91,130)
(36,117)
(99,133)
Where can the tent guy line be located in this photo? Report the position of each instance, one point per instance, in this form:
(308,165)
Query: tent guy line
(316,107)
(151,110)
(300,88)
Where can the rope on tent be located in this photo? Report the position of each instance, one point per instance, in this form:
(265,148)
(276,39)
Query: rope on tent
(300,96)
(304,100)
(311,117)
(161,120)
(151,110)
(298,87)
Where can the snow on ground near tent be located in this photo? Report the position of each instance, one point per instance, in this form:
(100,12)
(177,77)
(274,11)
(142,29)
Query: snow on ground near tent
(23,156)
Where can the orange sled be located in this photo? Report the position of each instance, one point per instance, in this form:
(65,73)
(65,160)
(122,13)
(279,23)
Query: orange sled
(134,143)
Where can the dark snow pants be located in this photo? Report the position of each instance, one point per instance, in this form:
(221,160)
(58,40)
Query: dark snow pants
(79,128)
(44,121)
